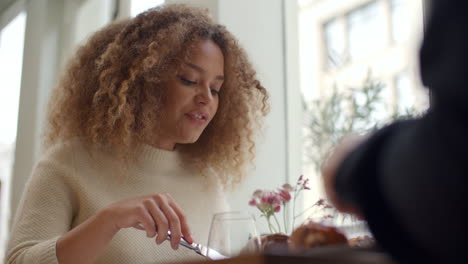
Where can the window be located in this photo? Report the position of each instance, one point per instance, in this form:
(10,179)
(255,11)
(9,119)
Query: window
(335,36)
(11,58)
(366,31)
(400,20)
(367,74)
(138,6)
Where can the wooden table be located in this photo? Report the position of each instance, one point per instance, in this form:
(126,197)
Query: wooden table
(329,255)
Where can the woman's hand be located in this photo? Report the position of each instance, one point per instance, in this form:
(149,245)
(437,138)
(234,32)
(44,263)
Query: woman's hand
(330,168)
(155,214)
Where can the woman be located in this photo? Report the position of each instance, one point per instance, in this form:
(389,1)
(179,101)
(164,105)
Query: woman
(152,119)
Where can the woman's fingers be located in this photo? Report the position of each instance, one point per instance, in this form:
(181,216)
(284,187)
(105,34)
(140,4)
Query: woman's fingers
(174,225)
(155,214)
(173,219)
(146,220)
(162,224)
(185,229)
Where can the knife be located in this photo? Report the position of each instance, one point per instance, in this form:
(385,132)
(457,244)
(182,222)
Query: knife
(200,249)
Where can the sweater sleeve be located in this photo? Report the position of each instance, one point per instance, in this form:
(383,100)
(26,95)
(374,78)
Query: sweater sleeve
(409,181)
(45,212)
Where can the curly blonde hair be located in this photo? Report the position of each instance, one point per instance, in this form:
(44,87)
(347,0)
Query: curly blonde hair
(111,92)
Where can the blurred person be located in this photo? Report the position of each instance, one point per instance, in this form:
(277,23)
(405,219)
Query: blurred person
(152,119)
(408,180)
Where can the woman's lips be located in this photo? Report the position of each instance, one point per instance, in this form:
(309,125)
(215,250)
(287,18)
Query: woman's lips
(199,118)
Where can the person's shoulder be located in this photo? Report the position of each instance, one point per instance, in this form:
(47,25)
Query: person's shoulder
(60,158)
(64,152)
(76,156)
(55,170)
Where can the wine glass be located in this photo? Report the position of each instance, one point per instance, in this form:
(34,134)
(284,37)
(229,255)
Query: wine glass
(233,234)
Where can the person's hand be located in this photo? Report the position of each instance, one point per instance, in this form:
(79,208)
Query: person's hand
(330,168)
(155,214)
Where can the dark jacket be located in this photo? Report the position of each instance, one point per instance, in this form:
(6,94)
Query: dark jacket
(409,179)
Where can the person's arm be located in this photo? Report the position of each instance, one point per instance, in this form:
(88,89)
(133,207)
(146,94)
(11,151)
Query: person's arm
(41,231)
(44,214)
(86,242)
(409,179)
(155,214)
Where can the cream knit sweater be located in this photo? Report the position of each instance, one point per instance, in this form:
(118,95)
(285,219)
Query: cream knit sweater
(69,185)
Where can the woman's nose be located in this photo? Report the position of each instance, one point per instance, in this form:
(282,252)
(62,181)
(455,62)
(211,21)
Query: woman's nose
(204,97)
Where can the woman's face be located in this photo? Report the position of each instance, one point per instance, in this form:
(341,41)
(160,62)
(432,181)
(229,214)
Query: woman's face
(192,96)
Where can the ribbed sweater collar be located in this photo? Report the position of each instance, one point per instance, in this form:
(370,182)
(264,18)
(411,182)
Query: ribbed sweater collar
(159,158)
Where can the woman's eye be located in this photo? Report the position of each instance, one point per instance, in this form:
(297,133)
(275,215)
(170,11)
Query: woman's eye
(187,81)
(214,92)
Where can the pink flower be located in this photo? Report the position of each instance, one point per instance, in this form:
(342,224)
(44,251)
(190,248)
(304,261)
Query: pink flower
(287,187)
(257,193)
(284,195)
(272,198)
(269,202)
(304,185)
(277,209)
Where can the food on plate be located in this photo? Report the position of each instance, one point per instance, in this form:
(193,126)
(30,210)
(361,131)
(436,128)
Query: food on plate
(274,242)
(312,234)
(362,242)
